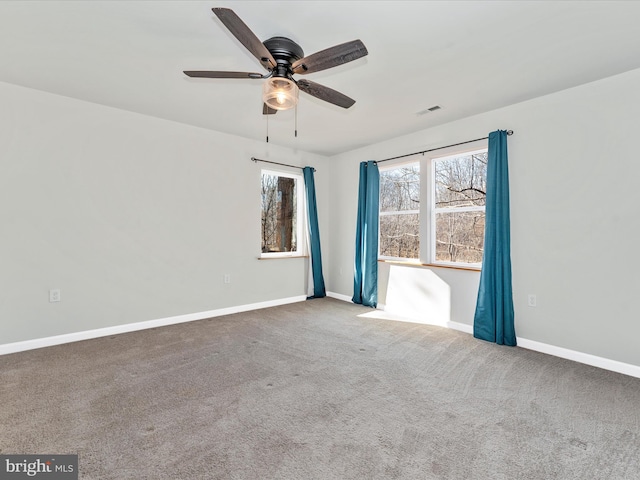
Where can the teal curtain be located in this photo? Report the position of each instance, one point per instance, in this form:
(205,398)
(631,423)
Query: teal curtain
(314,235)
(494,317)
(365,283)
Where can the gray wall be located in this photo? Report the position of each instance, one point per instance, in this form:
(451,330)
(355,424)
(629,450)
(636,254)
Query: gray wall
(134,218)
(574,174)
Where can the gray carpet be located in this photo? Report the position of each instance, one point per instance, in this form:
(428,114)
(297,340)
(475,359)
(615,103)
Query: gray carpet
(314,391)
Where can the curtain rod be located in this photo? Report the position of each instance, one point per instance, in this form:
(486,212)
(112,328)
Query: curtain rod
(256,160)
(509,132)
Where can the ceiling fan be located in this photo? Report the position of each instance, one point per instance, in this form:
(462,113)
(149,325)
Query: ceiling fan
(282,58)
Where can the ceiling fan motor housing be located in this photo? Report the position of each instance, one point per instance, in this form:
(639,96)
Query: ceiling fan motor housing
(285,52)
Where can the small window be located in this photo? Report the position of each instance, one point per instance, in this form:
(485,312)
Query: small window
(400,212)
(458,207)
(281,198)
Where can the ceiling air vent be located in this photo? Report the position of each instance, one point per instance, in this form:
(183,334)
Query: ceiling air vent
(428,110)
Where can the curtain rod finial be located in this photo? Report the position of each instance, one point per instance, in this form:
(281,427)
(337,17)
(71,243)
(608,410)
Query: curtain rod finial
(509,132)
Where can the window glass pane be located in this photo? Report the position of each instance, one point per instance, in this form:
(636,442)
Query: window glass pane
(279,214)
(459,237)
(461,181)
(400,188)
(399,235)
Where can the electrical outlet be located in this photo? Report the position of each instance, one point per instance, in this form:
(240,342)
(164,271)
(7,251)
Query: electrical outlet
(227,278)
(54,295)
(532,300)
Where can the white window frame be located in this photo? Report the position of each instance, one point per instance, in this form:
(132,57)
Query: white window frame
(428,210)
(300,215)
(433,210)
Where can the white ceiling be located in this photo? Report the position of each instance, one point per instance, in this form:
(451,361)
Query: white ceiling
(466,56)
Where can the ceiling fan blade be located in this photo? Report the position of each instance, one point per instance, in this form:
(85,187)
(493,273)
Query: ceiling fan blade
(244,34)
(330,57)
(267,110)
(206,74)
(325,93)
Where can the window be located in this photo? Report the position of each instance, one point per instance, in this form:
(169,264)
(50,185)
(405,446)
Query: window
(457,220)
(400,212)
(448,210)
(281,226)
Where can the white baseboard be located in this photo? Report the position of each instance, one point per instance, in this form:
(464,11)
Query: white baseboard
(132,327)
(339,296)
(580,357)
(461,327)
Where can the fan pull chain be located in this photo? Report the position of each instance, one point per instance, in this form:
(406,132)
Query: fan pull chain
(267,128)
(296,121)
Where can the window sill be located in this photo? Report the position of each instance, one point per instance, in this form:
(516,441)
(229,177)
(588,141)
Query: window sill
(410,263)
(280,257)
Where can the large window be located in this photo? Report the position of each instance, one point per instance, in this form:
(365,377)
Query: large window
(281,226)
(448,210)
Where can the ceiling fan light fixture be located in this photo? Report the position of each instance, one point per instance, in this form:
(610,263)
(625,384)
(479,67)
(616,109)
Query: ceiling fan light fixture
(280,93)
